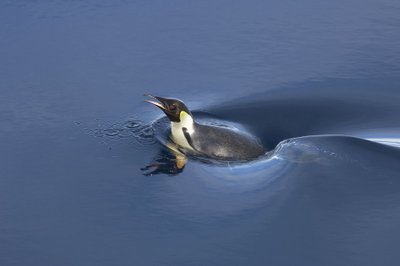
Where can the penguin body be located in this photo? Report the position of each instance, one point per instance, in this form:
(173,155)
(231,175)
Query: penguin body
(210,141)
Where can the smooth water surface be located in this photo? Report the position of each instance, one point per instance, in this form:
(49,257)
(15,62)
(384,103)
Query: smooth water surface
(85,178)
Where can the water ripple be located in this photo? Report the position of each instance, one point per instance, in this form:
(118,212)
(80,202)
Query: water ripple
(135,129)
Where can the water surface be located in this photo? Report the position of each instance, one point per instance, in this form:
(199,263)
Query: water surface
(318,83)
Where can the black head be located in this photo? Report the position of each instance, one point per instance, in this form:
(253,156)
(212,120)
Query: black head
(171,107)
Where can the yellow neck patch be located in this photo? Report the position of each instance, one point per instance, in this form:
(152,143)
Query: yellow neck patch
(183,116)
(186,120)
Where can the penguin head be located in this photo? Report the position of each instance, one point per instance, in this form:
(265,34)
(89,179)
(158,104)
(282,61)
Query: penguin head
(173,108)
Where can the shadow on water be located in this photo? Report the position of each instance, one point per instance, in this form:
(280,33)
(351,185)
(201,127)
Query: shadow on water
(312,108)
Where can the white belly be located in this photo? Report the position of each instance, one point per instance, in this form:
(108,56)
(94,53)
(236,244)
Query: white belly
(177,133)
(178,137)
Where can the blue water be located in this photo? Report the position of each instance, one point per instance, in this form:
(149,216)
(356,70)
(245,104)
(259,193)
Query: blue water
(85,178)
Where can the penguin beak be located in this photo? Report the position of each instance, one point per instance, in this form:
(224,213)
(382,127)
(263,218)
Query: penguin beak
(159,104)
(171,107)
(165,105)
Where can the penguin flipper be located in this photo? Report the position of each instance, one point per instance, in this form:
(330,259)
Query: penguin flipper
(188,138)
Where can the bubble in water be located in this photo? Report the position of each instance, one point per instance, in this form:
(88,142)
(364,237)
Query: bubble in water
(111,132)
(134,125)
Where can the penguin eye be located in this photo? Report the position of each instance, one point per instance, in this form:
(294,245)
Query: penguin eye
(172,107)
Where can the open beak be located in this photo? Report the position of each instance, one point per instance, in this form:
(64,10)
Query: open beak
(168,106)
(158,104)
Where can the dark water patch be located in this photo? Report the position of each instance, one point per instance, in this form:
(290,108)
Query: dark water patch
(314,107)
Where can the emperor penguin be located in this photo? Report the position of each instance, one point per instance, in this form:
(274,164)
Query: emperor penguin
(210,141)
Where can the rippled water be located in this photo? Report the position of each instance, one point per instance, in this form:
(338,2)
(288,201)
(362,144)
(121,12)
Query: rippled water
(86,179)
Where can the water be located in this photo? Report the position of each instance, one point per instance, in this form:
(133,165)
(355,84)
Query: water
(318,83)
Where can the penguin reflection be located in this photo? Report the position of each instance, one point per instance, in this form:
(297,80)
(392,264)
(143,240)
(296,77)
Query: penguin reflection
(166,162)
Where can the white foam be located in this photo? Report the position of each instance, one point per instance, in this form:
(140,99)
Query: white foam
(387,141)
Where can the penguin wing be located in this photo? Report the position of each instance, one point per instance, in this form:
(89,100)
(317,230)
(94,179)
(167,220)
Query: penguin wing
(188,137)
